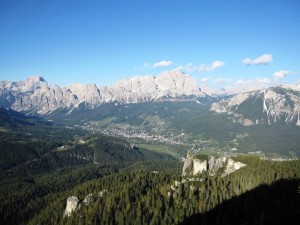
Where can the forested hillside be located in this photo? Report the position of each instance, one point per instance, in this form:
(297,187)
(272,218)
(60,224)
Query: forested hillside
(42,165)
(263,192)
(38,159)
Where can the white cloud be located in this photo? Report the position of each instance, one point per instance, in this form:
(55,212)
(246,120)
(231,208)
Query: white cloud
(249,85)
(143,67)
(257,81)
(205,68)
(201,68)
(281,74)
(263,59)
(162,64)
(204,79)
(262,80)
(184,67)
(243,82)
(221,80)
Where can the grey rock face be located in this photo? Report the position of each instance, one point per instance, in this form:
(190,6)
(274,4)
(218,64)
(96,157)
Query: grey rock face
(272,105)
(34,94)
(88,199)
(199,166)
(72,203)
(193,166)
(188,164)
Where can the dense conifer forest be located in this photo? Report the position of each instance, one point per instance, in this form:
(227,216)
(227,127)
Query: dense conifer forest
(263,192)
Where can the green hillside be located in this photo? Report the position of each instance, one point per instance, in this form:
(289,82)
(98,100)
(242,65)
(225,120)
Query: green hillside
(37,160)
(190,125)
(263,192)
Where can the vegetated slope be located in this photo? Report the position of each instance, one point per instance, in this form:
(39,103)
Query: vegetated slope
(262,192)
(38,159)
(191,123)
(274,204)
(10,119)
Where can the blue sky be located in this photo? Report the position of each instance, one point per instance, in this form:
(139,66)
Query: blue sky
(221,43)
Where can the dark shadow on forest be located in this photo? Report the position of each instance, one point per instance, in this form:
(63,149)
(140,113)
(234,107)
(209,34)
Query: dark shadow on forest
(278,203)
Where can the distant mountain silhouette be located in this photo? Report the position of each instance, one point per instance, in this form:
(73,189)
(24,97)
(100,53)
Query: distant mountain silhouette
(278,203)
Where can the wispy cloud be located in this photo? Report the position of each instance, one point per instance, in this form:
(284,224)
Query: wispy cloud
(260,60)
(282,73)
(248,85)
(204,79)
(221,80)
(186,67)
(143,67)
(258,81)
(162,63)
(201,68)
(205,68)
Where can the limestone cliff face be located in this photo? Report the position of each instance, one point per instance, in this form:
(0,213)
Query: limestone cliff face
(199,166)
(188,164)
(233,166)
(36,95)
(72,203)
(268,106)
(194,166)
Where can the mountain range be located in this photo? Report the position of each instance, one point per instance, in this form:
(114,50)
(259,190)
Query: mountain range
(267,106)
(35,96)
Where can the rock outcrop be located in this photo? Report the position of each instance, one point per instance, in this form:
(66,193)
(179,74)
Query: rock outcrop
(199,166)
(72,203)
(88,199)
(188,164)
(232,166)
(194,166)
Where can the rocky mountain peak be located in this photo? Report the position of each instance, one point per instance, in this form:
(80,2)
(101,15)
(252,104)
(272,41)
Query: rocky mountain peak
(34,94)
(267,106)
(294,87)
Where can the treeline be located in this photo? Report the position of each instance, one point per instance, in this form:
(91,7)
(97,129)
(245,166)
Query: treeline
(263,192)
